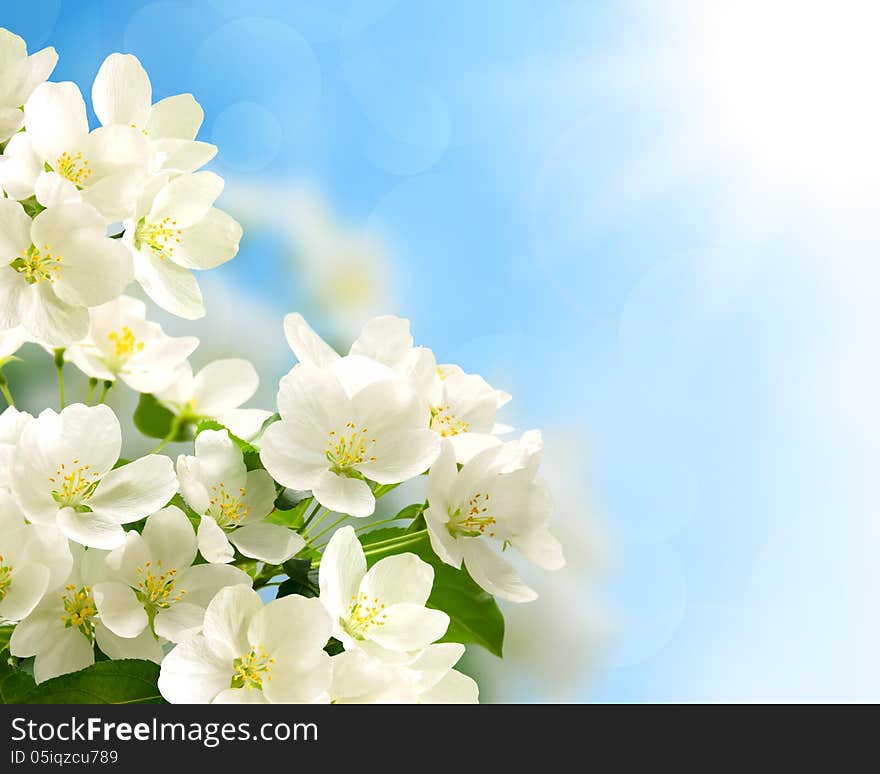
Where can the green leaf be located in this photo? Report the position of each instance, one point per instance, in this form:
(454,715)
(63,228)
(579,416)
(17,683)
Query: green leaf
(291,517)
(154,420)
(5,634)
(301,580)
(128,681)
(383,489)
(474,616)
(14,683)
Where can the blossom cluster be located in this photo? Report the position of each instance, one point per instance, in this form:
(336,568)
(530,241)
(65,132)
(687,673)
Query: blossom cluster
(255,569)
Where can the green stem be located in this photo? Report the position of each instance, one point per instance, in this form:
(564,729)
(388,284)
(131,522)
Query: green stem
(404,540)
(107,385)
(317,522)
(4,388)
(311,516)
(379,523)
(175,427)
(92,384)
(59,367)
(324,531)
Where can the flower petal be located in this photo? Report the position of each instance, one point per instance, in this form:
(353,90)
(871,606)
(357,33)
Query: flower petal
(192,673)
(172,287)
(119,608)
(135,490)
(144,646)
(29,583)
(94,530)
(186,199)
(408,627)
(171,538)
(224,385)
(180,621)
(399,578)
(55,116)
(121,92)
(68,651)
(227,620)
(213,543)
(344,495)
(270,543)
(179,116)
(343,566)
(210,242)
(493,573)
(307,345)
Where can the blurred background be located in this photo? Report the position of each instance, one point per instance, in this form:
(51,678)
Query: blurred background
(654,222)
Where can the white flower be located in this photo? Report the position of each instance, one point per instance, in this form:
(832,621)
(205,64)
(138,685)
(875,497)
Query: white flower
(54,267)
(429,678)
(216,392)
(10,342)
(383,606)
(107,167)
(33,560)
(154,582)
(495,496)
(12,423)
(463,406)
(233,503)
(64,627)
(177,229)
(122,94)
(123,344)
(463,409)
(251,654)
(20,74)
(385,340)
(63,474)
(339,428)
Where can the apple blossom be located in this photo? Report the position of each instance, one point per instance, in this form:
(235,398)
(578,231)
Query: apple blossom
(335,434)
(123,344)
(20,74)
(122,94)
(54,267)
(64,474)
(359,678)
(33,560)
(233,503)
(153,583)
(62,630)
(248,653)
(108,166)
(216,392)
(176,229)
(496,496)
(462,406)
(383,606)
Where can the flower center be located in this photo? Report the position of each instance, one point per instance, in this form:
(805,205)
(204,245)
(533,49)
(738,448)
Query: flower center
(473,520)
(444,372)
(446,422)
(251,668)
(79,609)
(348,448)
(73,168)
(364,614)
(38,266)
(5,577)
(227,509)
(158,590)
(72,485)
(161,237)
(125,343)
